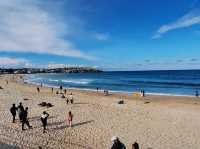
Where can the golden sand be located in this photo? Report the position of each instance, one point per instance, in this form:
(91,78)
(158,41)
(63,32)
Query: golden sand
(157,122)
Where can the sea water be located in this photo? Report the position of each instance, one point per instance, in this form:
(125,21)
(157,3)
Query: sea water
(171,82)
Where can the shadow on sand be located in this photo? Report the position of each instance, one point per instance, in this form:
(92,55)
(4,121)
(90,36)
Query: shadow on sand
(55,123)
(37,118)
(6,146)
(74,125)
(81,103)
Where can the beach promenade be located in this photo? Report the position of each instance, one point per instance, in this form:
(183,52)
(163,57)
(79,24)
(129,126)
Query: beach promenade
(157,122)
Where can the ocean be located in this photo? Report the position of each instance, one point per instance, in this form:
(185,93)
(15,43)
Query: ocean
(171,82)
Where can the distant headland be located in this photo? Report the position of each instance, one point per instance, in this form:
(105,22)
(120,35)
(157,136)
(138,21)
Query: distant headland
(49,70)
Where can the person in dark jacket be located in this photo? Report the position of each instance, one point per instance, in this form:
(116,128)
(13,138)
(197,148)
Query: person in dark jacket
(25,119)
(13,111)
(117,144)
(20,109)
(135,145)
(43,118)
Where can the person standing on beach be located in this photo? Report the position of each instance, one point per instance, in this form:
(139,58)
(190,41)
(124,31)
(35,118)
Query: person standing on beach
(117,144)
(70,118)
(43,118)
(197,93)
(71,98)
(38,89)
(13,111)
(52,90)
(61,88)
(65,91)
(20,110)
(135,145)
(25,119)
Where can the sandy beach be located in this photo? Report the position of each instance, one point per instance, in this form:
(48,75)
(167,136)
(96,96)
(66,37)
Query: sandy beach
(156,122)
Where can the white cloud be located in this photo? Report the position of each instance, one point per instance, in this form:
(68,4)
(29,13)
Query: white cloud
(101,36)
(13,62)
(187,20)
(26,27)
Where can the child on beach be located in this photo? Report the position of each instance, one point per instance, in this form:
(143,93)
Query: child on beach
(43,118)
(70,118)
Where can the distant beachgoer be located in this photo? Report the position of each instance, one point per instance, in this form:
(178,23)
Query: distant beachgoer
(38,89)
(63,96)
(197,93)
(61,87)
(142,93)
(67,100)
(52,90)
(117,144)
(135,145)
(65,91)
(13,111)
(57,92)
(25,119)
(106,93)
(7,82)
(71,99)
(20,110)
(97,89)
(70,118)
(43,118)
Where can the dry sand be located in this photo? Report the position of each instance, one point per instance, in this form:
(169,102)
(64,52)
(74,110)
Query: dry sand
(157,122)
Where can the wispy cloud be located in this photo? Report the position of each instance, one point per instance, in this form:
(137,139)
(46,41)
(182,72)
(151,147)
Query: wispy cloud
(187,20)
(13,62)
(26,27)
(101,36)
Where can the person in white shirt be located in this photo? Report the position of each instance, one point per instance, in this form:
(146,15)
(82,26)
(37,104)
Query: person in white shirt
(44,117)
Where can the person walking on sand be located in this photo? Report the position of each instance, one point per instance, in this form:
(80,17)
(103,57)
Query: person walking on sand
(65,91)
(67,100)
(25,119)
(38,89)
(52,90)
(43,118)
(135,145)
(70,118)
(197,93)
(117,144)
(61,88)
(13,111)
(71,98)
(20,110)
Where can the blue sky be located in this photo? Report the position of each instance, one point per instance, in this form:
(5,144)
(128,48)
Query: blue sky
(107,34)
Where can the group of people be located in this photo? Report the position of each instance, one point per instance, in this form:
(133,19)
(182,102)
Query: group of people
(117,144)
(23,116)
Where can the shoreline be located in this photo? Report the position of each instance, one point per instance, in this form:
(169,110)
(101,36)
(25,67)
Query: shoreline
(110,91)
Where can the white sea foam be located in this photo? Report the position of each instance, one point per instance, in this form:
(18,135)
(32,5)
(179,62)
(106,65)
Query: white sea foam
(112,91)
(73,81)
